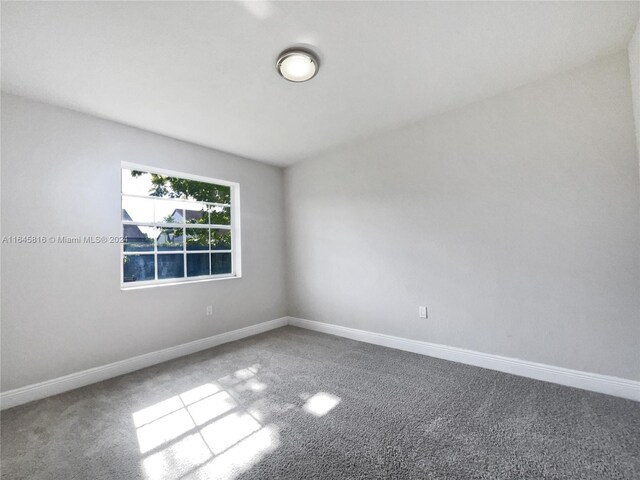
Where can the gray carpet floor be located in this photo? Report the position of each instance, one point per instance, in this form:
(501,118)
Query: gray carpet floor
(296,404)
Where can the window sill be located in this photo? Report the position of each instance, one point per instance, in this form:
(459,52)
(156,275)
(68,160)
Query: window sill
(183,282)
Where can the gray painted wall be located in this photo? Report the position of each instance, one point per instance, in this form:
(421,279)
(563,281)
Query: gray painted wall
(634,67)
(515,220)
(62,307)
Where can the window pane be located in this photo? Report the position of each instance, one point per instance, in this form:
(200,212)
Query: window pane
(220,239)
(137,209)
(137,268)
(169,211)
(138,238)
(220,215)
(197,264)
(195,213)
(138,182)
(171,265)
(170,239)
(197,239)
(135,182)
(218,194)
(220,263)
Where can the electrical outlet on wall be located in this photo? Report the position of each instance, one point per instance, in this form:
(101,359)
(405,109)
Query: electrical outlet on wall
(422,312)
(209,310)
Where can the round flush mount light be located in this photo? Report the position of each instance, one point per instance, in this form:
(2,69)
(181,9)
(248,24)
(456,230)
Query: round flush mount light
(297,64)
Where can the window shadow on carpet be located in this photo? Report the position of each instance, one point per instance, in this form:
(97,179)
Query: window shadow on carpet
(207,432)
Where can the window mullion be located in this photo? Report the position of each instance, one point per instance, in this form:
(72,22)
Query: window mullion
(155,254)
(184,251)
(232,192)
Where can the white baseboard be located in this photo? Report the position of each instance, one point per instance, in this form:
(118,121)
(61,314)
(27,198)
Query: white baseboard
(618,387)
(594,382)
(12,398)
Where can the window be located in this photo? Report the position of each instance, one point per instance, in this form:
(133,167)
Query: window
(177,227)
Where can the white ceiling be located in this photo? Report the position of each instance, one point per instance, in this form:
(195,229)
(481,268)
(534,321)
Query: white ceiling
(204,71)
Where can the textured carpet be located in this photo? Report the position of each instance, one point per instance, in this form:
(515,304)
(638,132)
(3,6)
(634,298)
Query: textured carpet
(295,404)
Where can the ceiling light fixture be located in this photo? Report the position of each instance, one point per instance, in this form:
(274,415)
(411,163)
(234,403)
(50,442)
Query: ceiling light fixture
(297,64)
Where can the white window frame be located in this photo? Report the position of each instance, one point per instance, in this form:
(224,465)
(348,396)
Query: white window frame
(236,257)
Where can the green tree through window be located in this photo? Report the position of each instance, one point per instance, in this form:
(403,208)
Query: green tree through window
(174,187)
